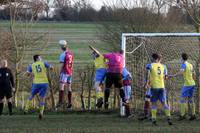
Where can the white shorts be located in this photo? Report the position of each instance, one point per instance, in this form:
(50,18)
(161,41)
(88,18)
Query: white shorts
(65,78)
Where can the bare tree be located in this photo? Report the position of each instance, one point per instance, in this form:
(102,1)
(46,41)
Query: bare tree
(20,38)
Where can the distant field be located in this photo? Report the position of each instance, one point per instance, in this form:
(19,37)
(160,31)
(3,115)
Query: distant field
(78,35)
(90,123)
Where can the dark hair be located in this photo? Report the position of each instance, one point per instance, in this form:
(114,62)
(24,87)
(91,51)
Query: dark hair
(64,48)
(184,56)
(35,57)
(156,56)
(121,51)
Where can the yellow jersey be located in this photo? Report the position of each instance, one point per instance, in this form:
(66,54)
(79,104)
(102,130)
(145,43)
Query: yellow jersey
(188,74)
(100,62)
(39,72)
(157,73)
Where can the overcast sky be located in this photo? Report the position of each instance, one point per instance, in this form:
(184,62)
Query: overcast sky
(98,3)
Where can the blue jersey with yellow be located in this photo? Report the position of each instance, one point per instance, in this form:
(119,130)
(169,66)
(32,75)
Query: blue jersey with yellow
(188,74)
(157,73)
(39,71)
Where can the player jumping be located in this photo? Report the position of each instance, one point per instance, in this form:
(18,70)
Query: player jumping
(100,73)
(156,75)
(187,91)
(40,82)
(66,61)
(6,86)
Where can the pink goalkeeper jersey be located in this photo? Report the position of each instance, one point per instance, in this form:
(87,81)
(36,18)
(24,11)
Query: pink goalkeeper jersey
(115,62)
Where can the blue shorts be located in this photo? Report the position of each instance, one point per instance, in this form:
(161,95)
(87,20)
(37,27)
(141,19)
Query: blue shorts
(127,91)
(158,94)
(39,88)
(187,91)
(65,78)
(100,74)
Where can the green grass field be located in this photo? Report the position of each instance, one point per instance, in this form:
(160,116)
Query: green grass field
(78,35)
(90,123)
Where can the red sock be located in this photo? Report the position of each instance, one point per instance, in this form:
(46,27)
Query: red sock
(61,96)
(69,97)
(146,108)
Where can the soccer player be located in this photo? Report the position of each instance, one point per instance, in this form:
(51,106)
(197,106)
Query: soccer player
(100,65)
(66,70)
(187,91)
(40,82)
(127,89)
(6,86)
(156,75)
(114,76)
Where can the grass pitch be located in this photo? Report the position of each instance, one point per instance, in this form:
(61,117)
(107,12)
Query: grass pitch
(90,123)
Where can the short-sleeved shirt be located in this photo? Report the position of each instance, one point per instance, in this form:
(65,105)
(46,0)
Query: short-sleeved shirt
(126,74)
(157,72)
(99,62)
(115,62)
(39,71)
(188,74)
(6,78)
(67,58)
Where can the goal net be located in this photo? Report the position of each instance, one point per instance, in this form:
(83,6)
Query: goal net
(138,48)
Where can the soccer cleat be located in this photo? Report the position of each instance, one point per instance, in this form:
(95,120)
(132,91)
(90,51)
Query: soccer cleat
(181,118)
(59,105)
(69,106)
(143,118)
(193,117)
(130,116)
(169,121)
(40,116)
(154,123)
(99,102)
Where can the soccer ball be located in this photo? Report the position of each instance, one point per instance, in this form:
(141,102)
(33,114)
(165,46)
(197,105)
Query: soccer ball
(63,43)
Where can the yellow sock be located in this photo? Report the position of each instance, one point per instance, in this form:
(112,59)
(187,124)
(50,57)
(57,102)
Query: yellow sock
(153,113)
(28,105)
(182,108)
(41,109)
(167,112)
(192,105)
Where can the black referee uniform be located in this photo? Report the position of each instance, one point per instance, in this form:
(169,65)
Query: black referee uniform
(6,85)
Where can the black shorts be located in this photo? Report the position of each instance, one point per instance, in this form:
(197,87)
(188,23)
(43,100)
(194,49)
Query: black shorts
(5,93)
(114,78)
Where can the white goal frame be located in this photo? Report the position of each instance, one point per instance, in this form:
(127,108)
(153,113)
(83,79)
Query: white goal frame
(143,35)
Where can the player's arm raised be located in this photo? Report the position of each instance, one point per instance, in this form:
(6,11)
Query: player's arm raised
(95,50)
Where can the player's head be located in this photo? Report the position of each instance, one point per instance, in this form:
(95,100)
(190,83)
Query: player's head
(63,44)
(184,56)
(121,51)
(4,63)
(156,57)
(37,58)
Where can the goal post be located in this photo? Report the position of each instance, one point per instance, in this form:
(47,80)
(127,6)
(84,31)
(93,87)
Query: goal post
(138,48)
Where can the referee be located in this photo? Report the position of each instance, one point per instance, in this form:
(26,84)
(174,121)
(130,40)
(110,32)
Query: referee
(6,86)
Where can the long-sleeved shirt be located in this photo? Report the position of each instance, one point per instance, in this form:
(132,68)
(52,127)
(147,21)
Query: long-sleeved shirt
(6,78)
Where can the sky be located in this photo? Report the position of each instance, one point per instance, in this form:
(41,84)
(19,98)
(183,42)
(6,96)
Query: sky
(97,3)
